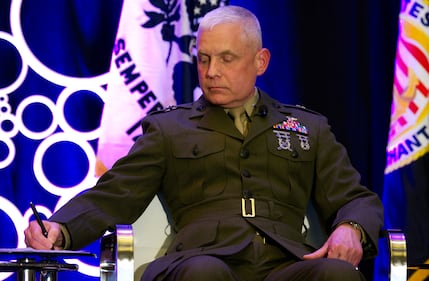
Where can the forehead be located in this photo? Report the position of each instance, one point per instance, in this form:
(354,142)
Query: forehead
(226,36)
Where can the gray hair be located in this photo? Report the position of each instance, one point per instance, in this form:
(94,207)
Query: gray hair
(234,14)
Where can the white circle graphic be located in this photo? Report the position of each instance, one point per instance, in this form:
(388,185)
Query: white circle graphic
(13,131)
(62,99)
(40,174)
(37,65)
(24,70)
(12,151)
(5,108)
(20,110)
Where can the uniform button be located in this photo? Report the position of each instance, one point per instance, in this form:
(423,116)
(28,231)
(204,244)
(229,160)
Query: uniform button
(195,150)
(294,154)
(246,173)
(244,153)
(179,247)
(247,194)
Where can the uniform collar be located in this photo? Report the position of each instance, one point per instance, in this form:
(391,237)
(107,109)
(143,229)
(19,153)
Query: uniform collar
(250,104)
(266,113)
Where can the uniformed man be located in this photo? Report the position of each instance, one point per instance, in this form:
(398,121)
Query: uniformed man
(237,171)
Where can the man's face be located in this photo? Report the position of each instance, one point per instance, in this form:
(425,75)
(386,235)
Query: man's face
(227,65)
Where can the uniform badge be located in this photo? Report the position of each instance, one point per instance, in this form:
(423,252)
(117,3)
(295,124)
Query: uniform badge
(291,124)
(283,139)
(283,133)
(305,144)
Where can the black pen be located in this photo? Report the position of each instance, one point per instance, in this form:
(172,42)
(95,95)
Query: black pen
(39,221)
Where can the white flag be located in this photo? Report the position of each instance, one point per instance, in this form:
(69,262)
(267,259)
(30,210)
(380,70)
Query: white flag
(152,67)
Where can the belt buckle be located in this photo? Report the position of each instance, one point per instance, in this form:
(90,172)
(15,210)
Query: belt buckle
(244,212)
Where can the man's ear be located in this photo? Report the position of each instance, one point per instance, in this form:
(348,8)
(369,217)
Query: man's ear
(262,59)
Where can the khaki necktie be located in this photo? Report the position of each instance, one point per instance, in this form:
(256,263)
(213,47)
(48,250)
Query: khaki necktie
(240,119)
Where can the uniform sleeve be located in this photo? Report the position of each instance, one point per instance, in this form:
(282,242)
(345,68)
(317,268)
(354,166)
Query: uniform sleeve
(338,192)
(121,194)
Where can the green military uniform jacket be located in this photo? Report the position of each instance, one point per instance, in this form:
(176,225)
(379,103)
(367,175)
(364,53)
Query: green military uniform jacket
(220,187)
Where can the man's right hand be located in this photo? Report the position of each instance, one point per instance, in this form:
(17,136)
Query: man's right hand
(34,237)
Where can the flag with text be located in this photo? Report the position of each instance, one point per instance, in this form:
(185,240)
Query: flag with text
(406,181)
(152,67)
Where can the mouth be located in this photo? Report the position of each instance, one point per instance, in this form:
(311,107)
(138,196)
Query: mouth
(215,88)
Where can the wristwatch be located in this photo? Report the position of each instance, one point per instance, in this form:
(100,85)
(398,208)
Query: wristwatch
(358,227)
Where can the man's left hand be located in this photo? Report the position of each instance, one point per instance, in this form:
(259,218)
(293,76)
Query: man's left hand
(344,244)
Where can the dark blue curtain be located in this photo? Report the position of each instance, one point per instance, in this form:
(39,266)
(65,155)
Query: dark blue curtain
(335,57)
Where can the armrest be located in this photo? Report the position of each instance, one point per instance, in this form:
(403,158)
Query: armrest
(117,254)
(397,253)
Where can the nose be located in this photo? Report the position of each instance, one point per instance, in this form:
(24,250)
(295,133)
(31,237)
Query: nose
(213,69)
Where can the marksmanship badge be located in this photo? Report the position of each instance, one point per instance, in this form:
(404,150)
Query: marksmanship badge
(283,139)
(305,144)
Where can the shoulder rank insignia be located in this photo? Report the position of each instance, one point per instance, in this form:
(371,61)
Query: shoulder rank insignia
(282,131)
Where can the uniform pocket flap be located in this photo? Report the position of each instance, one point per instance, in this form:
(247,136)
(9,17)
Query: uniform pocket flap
(195,235)
(198,146)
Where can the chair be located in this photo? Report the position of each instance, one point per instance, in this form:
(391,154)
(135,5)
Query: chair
(126,252)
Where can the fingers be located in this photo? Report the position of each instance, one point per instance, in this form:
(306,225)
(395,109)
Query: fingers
(34,237)
(342,244)
(352,255)
(320,253)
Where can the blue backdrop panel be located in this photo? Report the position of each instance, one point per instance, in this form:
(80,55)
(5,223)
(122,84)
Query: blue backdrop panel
(54,56)
(333,56)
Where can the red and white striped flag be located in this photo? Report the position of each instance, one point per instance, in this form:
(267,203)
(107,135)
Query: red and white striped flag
(409,125)
(406,180)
